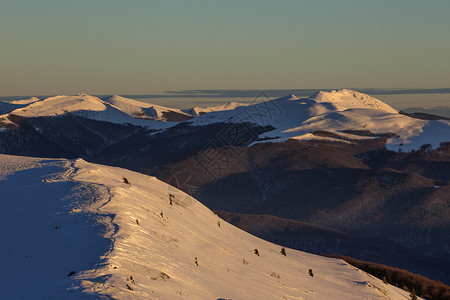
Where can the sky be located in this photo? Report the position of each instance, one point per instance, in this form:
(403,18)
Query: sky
(53,47)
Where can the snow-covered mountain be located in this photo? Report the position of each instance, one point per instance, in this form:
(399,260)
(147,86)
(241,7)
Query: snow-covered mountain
(344,114)
(82,105)
(150,111)
(114,109)
(74,230)
(339,115)
(197,111)
(348,99)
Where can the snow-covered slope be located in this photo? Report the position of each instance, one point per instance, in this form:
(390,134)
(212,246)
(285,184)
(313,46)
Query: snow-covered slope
(335,112)
(348,99)
(339,112)
(82,105)
(144,110)
(197,111)
(7,107)
(25,101)
(75,230)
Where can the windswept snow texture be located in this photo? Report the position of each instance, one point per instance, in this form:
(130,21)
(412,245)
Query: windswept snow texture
(335,111)
(144,240)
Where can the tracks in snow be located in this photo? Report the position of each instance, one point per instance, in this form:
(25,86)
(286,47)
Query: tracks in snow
(100,196)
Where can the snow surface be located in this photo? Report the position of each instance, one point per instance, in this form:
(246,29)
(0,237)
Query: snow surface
(156,112)
(141,109)
(7,107)
(334,111)
(345,99)
(197,111)
(126,241)
(25,101)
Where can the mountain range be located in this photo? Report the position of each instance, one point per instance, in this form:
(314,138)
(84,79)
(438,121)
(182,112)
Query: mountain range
(338,172)
(347,115)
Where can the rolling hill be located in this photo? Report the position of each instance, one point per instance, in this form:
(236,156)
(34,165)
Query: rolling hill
(74,230)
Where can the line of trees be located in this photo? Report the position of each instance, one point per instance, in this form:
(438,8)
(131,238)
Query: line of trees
(423,287)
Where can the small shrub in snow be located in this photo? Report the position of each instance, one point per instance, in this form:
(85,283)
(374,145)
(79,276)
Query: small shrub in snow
(311,273)
(218,223)
(276,275)
(130,279)
(129,287)
(283,251)
(244,262)
(413,294)
(71,273)
(125,180)
(196,261)
(256,252)
(137,221)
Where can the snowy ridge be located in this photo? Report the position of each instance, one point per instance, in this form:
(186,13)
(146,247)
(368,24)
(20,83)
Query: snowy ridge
(144,110)
(62,104)
(82,105)
(7,107)
(348,99)
(25,101)
(197,111)
(335,111)
(75,230)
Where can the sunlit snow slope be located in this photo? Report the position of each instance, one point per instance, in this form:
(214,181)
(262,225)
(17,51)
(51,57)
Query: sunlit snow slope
(337,112)
(197,111)
(128,241)
(345,115)
(81,105)
(144,110)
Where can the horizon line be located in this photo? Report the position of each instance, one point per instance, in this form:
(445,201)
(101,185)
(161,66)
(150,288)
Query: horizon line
(249,93)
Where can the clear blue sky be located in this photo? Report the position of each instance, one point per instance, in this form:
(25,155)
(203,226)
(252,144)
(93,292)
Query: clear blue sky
(141,47)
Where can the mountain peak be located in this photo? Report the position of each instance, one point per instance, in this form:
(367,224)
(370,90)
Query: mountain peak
(348,99)
(83,95)
(292,97)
